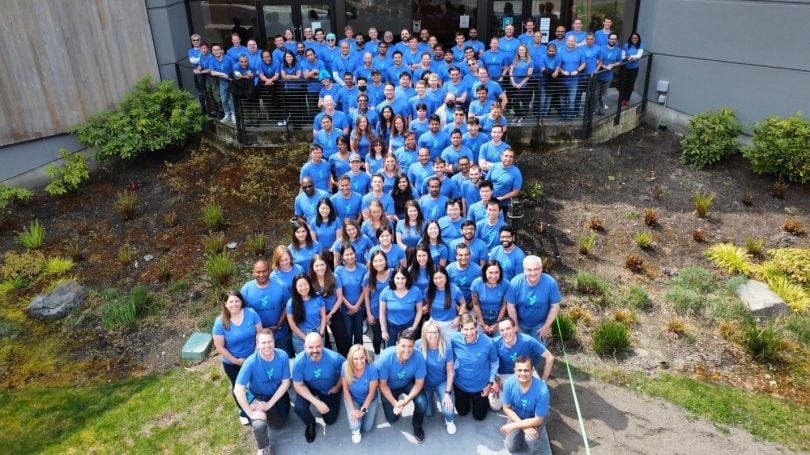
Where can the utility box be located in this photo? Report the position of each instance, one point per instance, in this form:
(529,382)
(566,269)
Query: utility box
(197,347)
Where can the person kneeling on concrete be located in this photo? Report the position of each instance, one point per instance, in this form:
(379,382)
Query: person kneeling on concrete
(266,373)
(316,378)
(525,403)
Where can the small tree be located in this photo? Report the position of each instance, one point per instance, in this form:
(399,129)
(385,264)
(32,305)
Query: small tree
(68,177)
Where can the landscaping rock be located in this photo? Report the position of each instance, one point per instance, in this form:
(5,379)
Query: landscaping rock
(57,303)
(760,300)
(231,246)
(148,258)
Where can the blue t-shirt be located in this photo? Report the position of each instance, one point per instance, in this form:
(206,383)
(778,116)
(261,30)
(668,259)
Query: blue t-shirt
(418,173)
(570,61)
(268,303)
(591,54)
(422,279)
(511,263)
(302,256)
(463,278)
(263,377)
(524,345)
(419,127)
(476,362)
(361,245)
(346,207)
(339,165)
(489,234)
(608,56)
(325,231)
(360,386)
(385,199)
(508,46)
(632,51)
(409,235)
(327,141)
(435,364)
(394,255)
(360,182)
(494,62)
(307,206)
(318,172)
(433,209)
(439,251)
(450,229)
(492,152)
(435,142)
(374,297)
(312,314)
(351,282)
(400,310)
(478,250)
(286,278)
(398,374)
(533,303)
(490,298)
(240,340)
(475,143)
(321,375)
(533,403)
(437,310)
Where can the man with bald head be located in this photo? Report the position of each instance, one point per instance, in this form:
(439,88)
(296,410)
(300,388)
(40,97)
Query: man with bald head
(306,203)
(268,298)
(316,379)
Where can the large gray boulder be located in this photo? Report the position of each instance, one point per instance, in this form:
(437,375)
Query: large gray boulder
(57,303)
(760,300)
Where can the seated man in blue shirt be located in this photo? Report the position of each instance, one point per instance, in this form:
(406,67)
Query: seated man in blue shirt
(402,371)
(533,301)
(316,378)
(525,404)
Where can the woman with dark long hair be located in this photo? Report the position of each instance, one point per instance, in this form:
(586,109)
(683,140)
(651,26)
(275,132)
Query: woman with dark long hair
(326,285)
(350,278)
(632,51)
(489,296)
(410,228)
(303,247)
(325,226)
(445,303)
(400,306)
(375,280)
(306,312)
(401,193)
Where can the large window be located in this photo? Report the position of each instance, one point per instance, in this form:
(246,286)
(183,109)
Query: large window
(391,15)
(215,20)
(443,19)
(593,12)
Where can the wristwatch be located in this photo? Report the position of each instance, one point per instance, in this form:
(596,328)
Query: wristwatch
(363,410)
(447,392)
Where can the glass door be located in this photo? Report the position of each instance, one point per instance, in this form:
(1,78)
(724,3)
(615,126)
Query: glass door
(281,15)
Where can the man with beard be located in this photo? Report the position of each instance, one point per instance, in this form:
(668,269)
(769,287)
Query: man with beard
(508,253)
(316,377)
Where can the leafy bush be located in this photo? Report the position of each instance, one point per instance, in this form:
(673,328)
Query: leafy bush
(711,136)
(69,177)
(611,337)
(799,325)
(118,313)
(220,267)
(754,247)
(729,258)
(257,243)
(794,262)
(586,243)
(643,239)
(677,326)
(57,266)
(727,307)
(695,278)
(26,265)
(532,190)
(685,301)
(794,226)
(213,216)
(214,242)
(564,328)
(126,254)
(703,202)
(149,118)
(764,345)
(792,293)
(33,237)
(10,197)
(590,284)
(636,297)
(651,217)
(781,147)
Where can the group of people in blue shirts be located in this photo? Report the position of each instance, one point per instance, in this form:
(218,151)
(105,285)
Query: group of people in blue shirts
(517,70)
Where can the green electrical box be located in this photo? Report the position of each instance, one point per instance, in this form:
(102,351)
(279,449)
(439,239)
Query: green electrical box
(197,347)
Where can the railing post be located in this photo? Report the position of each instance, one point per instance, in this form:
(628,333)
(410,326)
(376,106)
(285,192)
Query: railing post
(622,75)
(646,83)
(587,118)
(240,119)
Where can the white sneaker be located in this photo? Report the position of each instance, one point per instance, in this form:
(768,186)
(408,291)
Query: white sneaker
(244,420)
(233,118)
(225,119)
(605,107)
(451,427)
(365,327)
(356,437)
(282,123)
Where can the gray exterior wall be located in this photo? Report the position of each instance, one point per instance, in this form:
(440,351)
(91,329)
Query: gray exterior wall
(751,56)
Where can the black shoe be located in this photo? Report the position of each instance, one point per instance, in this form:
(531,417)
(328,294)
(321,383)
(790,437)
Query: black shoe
(419,434)
(309,433)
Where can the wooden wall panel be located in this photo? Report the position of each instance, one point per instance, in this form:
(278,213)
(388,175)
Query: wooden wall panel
(65,60)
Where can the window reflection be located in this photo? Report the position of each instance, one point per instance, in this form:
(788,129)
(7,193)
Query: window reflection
(216,20)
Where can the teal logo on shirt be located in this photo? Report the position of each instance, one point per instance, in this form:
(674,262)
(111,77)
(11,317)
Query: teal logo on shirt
(265,300)
(532,299)
(317,373)
(513,356)
(524,403)
(270,373)
(462,280)
(401,374)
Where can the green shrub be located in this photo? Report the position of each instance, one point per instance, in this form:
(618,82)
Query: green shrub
(611,337)
(220,267)
(703,202)
(532,190)
(564,328)
(754,247)
(10,197)
(33,237)
(25,266)
(57,266)
(213,217)
(727,308)
(126,204)
(764,344)
(69,177)
(695,278)
(799,325)
(257,243)
(636,297)
(794,262)
(214,242)
(149,118)
(586,242)
(781,147)
(590,284)
(643,239)
(711,136)
(118,313)
(729,258)
(685,301)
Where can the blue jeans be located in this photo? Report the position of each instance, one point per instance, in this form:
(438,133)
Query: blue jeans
(569,99)
(393,333)
(438,392)
(276,418)
(354,325)
(225,96)
(367,422)
(419,405)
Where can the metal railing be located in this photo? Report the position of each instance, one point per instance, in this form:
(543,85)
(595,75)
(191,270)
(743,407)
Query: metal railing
(290,105)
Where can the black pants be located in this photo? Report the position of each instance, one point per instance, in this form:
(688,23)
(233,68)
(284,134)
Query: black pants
(232,371)
(628,82)
(330,399)
(343,339)
(466,400)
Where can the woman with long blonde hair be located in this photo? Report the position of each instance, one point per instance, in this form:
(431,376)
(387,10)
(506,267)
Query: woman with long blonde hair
(360,379)
(439,378)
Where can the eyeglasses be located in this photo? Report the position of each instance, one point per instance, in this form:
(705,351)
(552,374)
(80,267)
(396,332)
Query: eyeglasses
(195,40)
(306,187)
(331,39)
